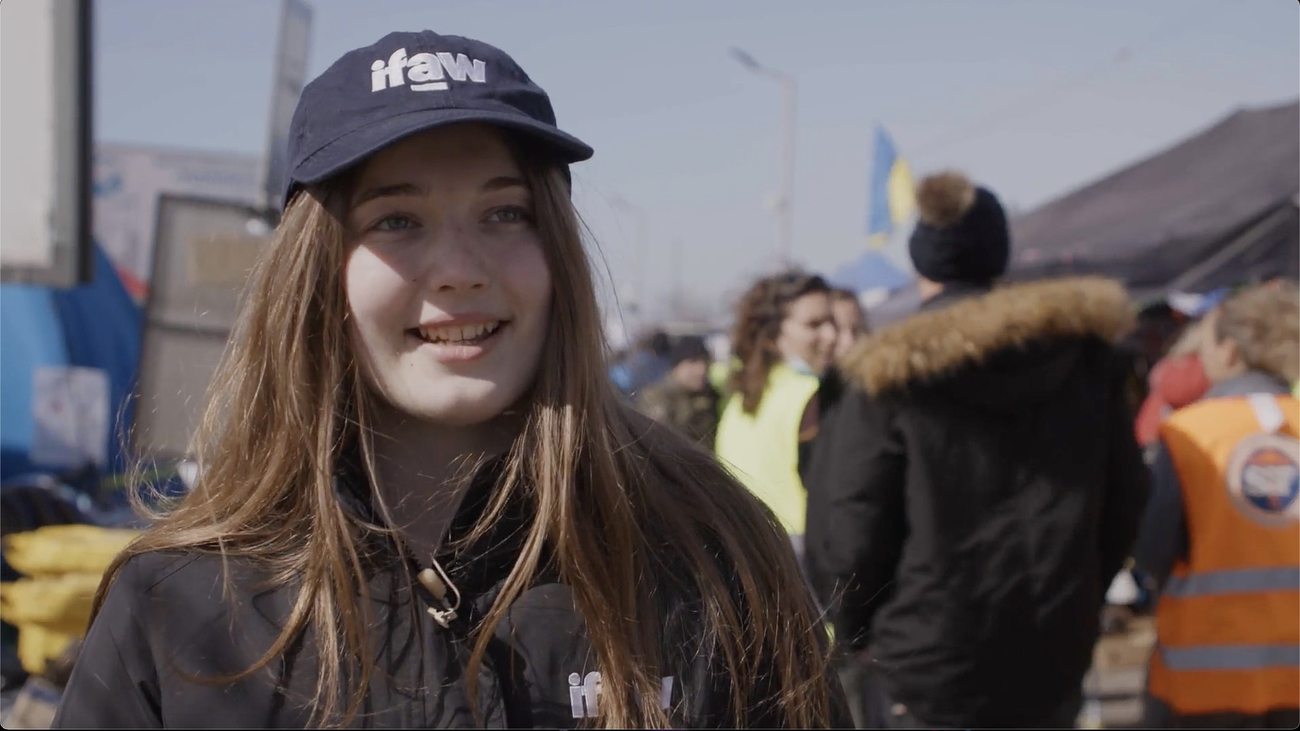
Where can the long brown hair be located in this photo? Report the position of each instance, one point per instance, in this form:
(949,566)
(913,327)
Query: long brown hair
(608,490)
(759,315)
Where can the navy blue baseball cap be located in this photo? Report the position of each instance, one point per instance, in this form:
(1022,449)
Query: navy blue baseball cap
(407,83)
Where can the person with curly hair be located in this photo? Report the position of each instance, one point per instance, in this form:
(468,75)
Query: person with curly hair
(783,342)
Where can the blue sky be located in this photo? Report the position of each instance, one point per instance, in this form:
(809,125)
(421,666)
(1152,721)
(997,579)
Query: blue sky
(1031,98)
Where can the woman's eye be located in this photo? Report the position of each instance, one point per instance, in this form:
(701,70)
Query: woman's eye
(394,222)
(510,214)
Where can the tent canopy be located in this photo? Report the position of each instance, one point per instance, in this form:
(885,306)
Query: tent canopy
(1216,208)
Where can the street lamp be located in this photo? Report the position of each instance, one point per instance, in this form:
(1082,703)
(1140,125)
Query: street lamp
(638,277)
(785,200)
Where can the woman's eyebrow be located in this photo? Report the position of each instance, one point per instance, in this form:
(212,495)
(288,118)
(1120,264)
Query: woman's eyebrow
(502,182)
(408,189)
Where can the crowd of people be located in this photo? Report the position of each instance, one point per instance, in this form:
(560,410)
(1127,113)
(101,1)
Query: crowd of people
(963,486)
(422,498)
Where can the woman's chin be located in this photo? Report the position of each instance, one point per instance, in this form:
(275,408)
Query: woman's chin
(473,405)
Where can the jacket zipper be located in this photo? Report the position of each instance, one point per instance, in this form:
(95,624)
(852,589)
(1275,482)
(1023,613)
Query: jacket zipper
(446,611)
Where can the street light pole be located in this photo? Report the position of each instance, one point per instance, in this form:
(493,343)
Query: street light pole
(638,276)
(785,200)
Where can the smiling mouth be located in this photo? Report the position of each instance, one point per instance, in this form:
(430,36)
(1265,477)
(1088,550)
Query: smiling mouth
(459,334)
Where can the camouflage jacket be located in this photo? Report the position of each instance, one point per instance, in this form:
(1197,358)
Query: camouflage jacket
(694,413)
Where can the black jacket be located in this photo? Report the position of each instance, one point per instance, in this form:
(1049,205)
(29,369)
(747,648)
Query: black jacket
(971,498)
(165,620)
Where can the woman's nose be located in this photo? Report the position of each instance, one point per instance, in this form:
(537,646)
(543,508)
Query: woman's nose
(455,263)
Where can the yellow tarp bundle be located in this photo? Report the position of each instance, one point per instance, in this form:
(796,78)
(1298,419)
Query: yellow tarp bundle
(62,567)
(65,549)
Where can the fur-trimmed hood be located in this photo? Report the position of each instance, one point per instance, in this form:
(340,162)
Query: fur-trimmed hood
(931,346)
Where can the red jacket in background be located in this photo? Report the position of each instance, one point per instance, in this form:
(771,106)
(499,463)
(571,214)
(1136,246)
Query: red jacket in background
(1175,383)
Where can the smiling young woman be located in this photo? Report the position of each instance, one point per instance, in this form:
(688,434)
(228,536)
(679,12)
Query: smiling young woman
(421,502)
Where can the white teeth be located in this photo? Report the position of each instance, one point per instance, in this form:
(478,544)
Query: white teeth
(458,334)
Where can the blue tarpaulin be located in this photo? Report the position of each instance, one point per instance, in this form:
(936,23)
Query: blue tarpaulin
(95,325)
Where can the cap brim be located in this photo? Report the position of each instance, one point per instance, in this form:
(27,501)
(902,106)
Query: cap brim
(359,144)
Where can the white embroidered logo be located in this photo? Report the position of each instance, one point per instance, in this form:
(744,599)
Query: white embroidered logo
(584,694)
(425,70)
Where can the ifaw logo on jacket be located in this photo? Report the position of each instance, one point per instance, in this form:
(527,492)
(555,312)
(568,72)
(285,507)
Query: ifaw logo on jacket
(584,694)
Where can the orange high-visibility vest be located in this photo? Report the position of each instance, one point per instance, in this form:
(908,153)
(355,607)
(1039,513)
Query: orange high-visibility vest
(1228,622)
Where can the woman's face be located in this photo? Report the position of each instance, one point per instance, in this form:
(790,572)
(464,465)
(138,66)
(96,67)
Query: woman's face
(1220,359)
(448,288)
(808,332)
(848,325)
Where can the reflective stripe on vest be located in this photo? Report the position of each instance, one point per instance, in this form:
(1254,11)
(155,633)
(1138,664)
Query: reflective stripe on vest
(1231,657)
(1237,581)
(1267,412)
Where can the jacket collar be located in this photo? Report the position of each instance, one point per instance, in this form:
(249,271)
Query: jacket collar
(475,571)
(1246,384)
(355,494)
(953,293)
(940,340)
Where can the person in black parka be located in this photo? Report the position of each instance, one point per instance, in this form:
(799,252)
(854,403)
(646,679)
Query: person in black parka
(976,489)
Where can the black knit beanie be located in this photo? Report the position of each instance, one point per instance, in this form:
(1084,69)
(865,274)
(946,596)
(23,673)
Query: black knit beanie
(962,233)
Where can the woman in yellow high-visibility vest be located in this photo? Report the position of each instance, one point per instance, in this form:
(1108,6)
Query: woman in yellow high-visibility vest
(783,342)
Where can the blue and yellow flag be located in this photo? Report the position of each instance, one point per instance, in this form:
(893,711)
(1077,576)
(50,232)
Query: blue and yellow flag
(893,195)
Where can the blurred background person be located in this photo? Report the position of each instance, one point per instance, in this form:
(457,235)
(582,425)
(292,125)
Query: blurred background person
(1220,537)
(1158,327)
(850,321)
(783,341)
(647,362)
(851,327)
(1176,381)
(684,399)
(620,371)
(975,492)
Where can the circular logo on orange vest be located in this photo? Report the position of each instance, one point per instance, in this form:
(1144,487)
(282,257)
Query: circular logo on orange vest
(1264,479)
